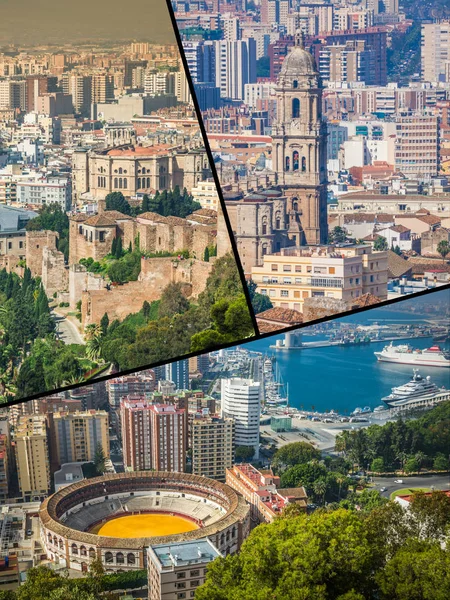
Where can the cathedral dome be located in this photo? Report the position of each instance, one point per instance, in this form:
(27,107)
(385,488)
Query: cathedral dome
(298,61)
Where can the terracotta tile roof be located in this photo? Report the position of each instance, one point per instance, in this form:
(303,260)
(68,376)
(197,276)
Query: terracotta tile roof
(267,327)
(368,218)
(205,212)
(421,268)
(365,300)
(78,217)
(115,214)
(176,221)
(285,316)
(399,228)
(429,219)
(100,221)
(152,216)
(397,266)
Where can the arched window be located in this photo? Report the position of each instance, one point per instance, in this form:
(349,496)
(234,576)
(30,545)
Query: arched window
(74,549)
(264,226)
(116,183)
(125,183)
(295,84)
(83,551)
(49,538)
(303,164)
(61,544)
(120,183)
(295,108)
(288,163)
(264,249)
(144,170)
(120,171)
(138,183)
(120,559)
(108,558)
(99,181)
(148,182)
(278,221)
(295,206)
(91,552)
(295,161)
(131,559)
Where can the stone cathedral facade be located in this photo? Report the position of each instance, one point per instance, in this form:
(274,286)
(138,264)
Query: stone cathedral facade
(299,147)
(294,212)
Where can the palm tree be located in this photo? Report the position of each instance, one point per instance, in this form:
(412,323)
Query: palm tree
(402,457)
(443,249)
(420,457)
(320,489)
(340,480)
(93,330)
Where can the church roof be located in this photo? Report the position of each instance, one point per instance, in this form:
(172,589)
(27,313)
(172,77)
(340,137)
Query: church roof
(298,61)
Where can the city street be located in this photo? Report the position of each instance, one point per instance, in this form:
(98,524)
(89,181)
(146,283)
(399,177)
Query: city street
(439,482)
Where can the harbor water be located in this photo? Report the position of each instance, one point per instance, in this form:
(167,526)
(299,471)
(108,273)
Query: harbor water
(341,378)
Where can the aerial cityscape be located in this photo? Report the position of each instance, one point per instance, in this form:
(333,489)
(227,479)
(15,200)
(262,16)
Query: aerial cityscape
(156,474)
(329,126)
(104,225)
(225,300)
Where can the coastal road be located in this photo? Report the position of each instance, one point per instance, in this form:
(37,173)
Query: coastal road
(66,330)
(439,482)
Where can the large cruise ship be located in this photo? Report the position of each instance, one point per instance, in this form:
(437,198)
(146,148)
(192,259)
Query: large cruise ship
(406,354)
(418,392)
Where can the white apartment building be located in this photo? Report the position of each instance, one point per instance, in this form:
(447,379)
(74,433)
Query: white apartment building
(416,146)
(435,51)
(205,192)
(241,401)
(45,191)
(257,91)
(235,64)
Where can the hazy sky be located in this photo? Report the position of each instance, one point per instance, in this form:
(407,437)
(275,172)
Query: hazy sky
(38,21)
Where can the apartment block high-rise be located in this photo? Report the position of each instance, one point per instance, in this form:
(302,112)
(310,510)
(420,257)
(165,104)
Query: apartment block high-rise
(80,88)
(235,64)
(32,457)
(4,466)
(77,435)
(154,436)
(128,386)
(178,372)
(417,145)
(435,51)
(241,401)
(212,440)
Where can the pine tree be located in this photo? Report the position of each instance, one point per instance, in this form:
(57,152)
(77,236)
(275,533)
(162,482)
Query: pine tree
(145,204)
(206,254)
(104,323)
(119,250)
(114,246)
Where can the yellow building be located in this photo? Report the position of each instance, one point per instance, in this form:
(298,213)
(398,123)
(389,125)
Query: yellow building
(77,435)
(290,276)
(31,447)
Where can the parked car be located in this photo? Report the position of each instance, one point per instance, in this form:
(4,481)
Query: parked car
(398,481)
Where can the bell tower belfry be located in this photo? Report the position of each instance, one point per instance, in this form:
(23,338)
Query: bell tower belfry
(299,146)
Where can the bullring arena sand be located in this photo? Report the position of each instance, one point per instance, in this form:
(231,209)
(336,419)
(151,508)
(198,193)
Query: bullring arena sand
(141,526)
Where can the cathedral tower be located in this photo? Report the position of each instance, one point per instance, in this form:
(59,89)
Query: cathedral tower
(299,146)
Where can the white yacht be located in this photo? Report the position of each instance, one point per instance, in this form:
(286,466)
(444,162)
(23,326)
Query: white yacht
(419,391)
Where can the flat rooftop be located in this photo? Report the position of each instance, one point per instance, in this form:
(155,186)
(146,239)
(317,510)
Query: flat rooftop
(185,553)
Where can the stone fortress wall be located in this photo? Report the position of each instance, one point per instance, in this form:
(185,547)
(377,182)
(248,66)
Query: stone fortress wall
(93,237)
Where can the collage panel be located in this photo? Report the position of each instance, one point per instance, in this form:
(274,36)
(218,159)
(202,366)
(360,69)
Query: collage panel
(333,163)
(114,249)
(180,478)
